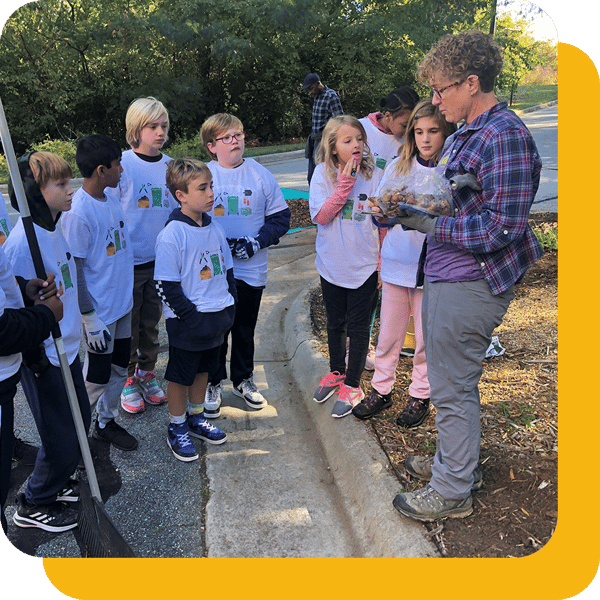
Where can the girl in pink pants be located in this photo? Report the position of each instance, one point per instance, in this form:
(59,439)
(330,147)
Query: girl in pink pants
(402,293)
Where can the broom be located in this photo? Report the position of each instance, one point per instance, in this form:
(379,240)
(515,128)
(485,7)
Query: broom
(98,533)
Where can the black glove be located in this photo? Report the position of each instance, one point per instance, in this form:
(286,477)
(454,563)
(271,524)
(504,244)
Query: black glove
(246,248)
(419,221)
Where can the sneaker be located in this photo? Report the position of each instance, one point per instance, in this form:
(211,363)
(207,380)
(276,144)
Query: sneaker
(178,440)
(131,399)
(150,389)
(212,401)
(372,404)
(370,360)
(249,392)
(420,467)
(427,505)
(70,493)
(414,413)
(200,428)
(348,398)
(328,386)
(23,452)
(114,434)
(54,517)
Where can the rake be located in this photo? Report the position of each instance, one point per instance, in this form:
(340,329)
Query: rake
(99,535)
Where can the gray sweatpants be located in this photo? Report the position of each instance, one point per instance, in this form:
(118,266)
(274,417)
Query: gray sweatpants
(458,322)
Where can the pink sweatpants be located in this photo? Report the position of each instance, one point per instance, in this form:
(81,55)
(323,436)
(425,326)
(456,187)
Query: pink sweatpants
(397,304)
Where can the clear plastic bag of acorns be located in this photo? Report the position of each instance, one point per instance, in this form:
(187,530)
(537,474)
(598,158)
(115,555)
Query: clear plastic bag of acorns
(419,191)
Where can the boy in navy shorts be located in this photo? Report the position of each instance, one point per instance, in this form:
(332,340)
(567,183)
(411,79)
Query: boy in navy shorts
(194,278)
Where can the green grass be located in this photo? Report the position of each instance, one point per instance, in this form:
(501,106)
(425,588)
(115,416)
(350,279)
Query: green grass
(531,95)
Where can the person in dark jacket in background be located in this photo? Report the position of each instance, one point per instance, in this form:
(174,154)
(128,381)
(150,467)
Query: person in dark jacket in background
(326,104)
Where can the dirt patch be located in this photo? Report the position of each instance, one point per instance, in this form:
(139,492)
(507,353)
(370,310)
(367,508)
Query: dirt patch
(516,511)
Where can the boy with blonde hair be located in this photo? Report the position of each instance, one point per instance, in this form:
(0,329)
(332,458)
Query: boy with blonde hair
(46,180)
(254,214)
(147,203)
(194,274)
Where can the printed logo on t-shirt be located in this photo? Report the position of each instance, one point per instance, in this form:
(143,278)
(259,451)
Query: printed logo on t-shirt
(153,196)
(115,238)
(212,263)
(3,231)
(65,273)
(380,162)
(231,205)
(353,208)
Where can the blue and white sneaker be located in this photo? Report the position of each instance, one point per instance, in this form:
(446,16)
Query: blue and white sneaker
(200,428)
(178,440)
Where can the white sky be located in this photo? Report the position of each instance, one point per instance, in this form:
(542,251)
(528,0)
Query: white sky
(542,26)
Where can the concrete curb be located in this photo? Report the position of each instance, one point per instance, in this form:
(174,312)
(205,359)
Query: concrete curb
(278,157)
(358,464)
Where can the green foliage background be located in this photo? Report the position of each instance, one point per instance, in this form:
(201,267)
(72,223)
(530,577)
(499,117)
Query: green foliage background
(71,67)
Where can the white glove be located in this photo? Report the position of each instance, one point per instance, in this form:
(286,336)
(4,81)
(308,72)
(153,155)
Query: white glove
(95,332)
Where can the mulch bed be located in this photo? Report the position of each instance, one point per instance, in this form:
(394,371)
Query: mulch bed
(516,511)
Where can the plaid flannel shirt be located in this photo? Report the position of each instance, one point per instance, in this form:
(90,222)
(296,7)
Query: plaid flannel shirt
(493,224)
(326,105)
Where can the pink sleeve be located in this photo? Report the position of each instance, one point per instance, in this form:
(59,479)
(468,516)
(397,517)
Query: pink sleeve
(336,201)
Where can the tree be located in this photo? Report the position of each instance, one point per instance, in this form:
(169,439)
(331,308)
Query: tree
(71,67)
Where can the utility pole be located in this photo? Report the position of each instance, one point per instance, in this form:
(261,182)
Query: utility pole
(493,18)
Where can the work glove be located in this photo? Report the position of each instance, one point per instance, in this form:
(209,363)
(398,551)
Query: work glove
(246,247)
(95,332)
(419,221)
(232,242)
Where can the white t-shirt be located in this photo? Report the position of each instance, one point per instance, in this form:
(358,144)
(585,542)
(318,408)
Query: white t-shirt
(59,261)
(244,196)
(383,146)
(146,202)
(198,258)
(347,247)
(96,231)
(10,297)
(5,225)
(401,249)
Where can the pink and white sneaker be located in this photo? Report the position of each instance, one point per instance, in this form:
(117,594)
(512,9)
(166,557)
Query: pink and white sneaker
(348,398)
(131,399)
(149,388)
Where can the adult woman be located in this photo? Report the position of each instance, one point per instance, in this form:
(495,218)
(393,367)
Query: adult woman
(473,261)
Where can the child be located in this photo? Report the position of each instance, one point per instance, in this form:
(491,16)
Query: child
(386,129)
(194,275)
(147,204)
(347,254)
(401,294)
(98,237)
(46,182)
(22,329)
(251,209)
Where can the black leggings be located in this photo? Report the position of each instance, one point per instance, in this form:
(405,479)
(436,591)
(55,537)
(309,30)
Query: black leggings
(349,313)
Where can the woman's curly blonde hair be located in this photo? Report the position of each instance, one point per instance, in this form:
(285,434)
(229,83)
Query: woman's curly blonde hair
(463,54)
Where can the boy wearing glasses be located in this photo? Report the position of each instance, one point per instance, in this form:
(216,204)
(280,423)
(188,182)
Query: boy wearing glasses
(254,214)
